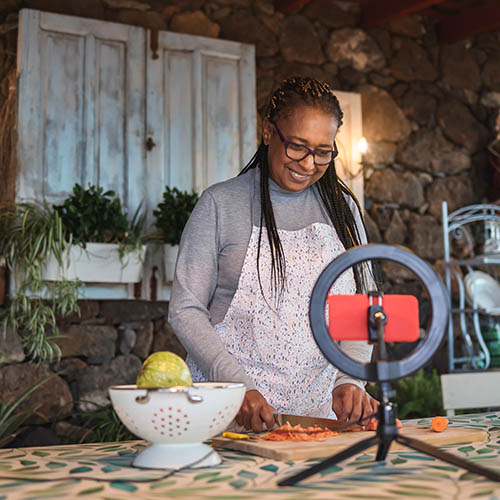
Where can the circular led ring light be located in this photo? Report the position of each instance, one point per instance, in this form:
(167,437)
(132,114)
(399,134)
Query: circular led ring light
(391,370)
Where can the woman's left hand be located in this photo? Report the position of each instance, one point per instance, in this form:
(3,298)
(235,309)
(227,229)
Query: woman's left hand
(353,404)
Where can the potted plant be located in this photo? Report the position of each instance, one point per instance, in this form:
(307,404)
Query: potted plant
(30,233)
(171,216)
(106,247)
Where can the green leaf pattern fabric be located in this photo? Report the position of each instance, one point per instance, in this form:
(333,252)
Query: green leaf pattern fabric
(104,471)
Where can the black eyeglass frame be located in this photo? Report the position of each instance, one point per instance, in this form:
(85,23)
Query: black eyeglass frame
(310,151)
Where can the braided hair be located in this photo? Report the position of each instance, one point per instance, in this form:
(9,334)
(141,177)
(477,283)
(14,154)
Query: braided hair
(333,191)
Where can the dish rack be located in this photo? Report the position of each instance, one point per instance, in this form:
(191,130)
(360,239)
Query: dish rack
(471,240)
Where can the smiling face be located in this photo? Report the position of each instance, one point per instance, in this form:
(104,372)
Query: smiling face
(306,125)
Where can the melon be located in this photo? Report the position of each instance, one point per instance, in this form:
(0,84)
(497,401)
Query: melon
(164,369)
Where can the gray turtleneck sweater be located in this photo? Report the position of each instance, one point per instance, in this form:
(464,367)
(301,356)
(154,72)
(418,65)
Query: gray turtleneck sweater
(211,255)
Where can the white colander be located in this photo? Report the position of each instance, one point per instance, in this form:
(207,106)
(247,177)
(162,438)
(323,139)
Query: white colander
(177,420)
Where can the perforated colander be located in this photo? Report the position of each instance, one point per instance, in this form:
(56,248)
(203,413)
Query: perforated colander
(177,420)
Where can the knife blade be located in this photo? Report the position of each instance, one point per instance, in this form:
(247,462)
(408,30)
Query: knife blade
(334,425)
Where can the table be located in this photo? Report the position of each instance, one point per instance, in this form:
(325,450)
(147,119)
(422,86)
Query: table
(103,471)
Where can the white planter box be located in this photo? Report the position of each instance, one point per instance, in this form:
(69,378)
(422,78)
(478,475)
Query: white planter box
(98,263)
(169,260)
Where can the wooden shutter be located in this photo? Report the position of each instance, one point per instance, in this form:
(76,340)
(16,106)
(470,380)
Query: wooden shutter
(201,116)
(200,111)
(82,103)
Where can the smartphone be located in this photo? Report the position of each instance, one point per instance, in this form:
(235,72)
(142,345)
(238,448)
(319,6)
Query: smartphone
(348,317)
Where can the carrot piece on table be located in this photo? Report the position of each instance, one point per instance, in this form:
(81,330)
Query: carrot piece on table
(439,424)
(371,425)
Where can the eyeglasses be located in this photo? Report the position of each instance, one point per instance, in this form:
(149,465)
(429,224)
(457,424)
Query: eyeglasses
(298,152)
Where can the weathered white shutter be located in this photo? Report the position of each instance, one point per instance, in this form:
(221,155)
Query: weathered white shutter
(200,111)
(82,104)
(201,118)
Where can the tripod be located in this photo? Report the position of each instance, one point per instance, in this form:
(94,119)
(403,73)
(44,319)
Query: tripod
(387,430)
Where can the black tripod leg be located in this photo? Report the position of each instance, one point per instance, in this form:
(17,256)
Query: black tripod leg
(349,452)
(418,445)
(383,448)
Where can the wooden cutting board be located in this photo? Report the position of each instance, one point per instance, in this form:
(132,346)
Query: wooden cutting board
(289,450)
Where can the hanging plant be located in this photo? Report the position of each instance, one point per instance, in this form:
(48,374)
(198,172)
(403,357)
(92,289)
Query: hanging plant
(29,234)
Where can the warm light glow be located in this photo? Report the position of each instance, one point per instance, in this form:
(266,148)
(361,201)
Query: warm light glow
(363,145)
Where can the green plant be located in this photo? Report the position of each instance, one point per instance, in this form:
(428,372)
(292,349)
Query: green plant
(10,422)
(29,234)
(173,212)
(95,215)
(418,395)
(103,426)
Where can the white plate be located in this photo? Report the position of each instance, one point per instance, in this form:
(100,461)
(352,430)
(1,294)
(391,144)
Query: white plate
(485,288)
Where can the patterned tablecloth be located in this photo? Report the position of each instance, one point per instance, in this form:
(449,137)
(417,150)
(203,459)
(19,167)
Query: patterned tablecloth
(103,471)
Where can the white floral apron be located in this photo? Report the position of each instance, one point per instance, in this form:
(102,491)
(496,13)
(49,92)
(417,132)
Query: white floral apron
(275,345)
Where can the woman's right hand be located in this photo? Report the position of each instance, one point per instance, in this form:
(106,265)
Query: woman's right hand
(254,411)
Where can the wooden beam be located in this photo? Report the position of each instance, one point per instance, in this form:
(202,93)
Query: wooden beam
(471,21)
(383,11)
(287,6)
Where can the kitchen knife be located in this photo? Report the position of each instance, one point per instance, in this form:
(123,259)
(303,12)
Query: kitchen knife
(334,425)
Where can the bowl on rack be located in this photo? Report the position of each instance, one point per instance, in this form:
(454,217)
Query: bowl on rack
(177,420)
(485,289)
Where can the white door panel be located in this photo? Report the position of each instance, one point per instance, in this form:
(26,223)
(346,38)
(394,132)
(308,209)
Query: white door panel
(81,118)
(201,117)
(206,131)
(221,122)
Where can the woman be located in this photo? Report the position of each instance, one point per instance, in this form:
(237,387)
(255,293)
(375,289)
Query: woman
(248,260)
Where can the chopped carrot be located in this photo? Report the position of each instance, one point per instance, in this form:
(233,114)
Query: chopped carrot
(298,433)
(439,424)
(288,432)
(373,424)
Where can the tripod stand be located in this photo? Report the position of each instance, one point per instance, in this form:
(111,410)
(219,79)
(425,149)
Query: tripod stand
(381,371)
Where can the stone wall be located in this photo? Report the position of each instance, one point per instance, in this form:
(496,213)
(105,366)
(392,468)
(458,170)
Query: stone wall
(428,115)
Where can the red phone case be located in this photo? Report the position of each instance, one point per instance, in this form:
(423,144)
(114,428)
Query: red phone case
(348,317)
